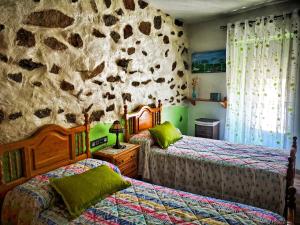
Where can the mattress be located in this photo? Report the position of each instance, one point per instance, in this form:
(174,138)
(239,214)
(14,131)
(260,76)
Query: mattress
(249,174)
(35,202)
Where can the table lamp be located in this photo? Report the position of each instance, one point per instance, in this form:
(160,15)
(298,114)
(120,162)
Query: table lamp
(117,128)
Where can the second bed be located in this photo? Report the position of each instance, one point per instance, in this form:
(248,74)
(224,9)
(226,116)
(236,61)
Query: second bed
(249,174)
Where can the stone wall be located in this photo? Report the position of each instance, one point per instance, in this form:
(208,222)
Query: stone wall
(60,58)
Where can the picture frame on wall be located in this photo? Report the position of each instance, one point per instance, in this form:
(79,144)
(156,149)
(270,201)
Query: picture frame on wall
(209,62)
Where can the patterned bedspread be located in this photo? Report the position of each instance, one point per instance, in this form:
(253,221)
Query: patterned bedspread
(249,174)
(24,203)
(142,203)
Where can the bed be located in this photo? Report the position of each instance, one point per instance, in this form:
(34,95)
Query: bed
(248,174)
(27,166)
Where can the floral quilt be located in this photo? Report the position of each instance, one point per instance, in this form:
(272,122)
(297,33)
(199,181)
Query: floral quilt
(249,174)
(144,203)
(24,203)
(141,203)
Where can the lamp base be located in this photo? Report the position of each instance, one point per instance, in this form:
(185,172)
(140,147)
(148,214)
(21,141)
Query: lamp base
(119,146)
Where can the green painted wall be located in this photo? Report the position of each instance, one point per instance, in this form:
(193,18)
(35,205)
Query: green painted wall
(178,115)
(101,130)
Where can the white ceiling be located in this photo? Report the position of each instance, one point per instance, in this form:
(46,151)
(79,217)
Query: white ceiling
(202,10)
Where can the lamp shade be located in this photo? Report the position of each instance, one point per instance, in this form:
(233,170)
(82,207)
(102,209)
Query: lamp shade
(116,127)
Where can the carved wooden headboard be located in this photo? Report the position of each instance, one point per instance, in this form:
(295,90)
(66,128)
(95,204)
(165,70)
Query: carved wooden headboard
(49,148)
(142,118)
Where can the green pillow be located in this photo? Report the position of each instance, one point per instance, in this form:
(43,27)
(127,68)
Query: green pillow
(165,134)
(83,190)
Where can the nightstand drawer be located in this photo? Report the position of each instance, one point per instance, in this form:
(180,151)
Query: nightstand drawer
(125,158)
(128,167)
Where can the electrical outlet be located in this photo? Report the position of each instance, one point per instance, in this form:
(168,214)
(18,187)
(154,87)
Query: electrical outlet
(99,141)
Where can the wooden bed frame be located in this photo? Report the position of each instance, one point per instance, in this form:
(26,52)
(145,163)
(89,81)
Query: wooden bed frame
(49,148)
(145,117)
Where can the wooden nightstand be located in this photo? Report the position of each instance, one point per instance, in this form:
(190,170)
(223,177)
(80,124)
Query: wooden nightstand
(126,159)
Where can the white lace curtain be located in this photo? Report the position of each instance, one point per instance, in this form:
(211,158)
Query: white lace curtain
(262,76)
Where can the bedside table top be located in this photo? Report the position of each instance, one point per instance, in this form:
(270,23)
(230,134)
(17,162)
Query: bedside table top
(112,151)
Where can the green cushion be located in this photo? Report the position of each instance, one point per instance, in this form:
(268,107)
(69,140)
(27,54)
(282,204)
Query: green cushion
(165,134)
(83,190)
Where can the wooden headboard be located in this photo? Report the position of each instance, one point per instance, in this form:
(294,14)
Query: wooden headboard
(142,118)
(49,148)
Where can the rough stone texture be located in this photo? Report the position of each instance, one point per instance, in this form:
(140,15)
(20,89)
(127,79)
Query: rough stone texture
(55,44)
(25,38)
(88,108)
(145,27)
(98,34)
(129,4)
(94,6)
(142,4)
(17,77)
(119,11)
(37,83)
(75,40)
(70,117)
(69,81)
(180,73)
(55,69)
(97,82)
(109,96)
(49,18)
(60,111)
(160,80)
(89,93)
(66,86)
(166,39)
(135,83)
(152,70)
(125,97)
(2,116)
(96,71)
(3,58)
(110,108)
(127,31)
(146,82)
(174,66)
(167,53)
(178,23)
(157,22)
(113,79)
(42,113)
(170,81)
(110,20)
(186,65)
(30,65)
(115,36)
(123,63)
(131,51)
(96,115)
(15,116)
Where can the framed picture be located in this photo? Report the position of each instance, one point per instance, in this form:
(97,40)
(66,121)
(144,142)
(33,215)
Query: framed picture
(209,62)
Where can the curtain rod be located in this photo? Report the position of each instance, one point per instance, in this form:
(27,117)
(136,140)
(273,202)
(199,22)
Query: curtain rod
(253,21)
